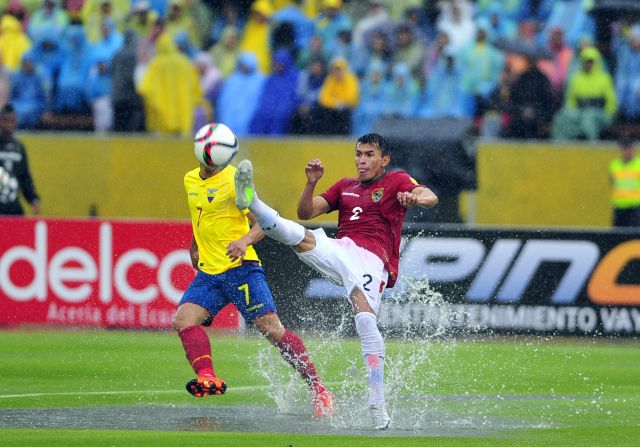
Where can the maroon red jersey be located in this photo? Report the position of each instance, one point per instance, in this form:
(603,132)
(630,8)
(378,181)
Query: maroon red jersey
(371,216)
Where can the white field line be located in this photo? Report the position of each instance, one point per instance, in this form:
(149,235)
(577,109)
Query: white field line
(232,390)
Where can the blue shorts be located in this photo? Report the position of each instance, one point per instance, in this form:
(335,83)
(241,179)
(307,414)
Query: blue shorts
(244,286)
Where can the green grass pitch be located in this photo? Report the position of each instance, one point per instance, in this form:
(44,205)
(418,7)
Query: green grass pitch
(506,391)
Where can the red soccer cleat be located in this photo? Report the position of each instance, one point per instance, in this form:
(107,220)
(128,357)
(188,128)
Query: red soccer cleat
(323,403)
(206,386)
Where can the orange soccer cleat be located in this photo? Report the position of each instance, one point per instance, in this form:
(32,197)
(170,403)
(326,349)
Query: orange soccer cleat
(323,403)
(206,386)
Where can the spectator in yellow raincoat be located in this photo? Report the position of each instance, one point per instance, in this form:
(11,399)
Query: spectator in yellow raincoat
(256,38)
(170,89)
(339,94)
(13,42)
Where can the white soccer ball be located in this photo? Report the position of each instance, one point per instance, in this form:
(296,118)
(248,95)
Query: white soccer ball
(215,145)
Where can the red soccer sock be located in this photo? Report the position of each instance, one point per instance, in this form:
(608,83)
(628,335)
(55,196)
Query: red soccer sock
(198,349)
(294,352)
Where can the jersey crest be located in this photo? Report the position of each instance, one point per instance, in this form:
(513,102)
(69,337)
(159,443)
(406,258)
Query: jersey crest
(211,194)
(376,195)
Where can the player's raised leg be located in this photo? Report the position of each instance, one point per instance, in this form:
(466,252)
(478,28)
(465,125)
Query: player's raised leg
(282,230)
(295,353)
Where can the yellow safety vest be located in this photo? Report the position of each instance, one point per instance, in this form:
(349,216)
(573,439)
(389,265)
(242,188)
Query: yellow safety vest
(626,183)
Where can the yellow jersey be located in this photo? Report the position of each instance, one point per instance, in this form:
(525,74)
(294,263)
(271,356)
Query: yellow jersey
(215,219)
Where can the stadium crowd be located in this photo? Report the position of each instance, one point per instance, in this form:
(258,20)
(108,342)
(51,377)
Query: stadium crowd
(518,68)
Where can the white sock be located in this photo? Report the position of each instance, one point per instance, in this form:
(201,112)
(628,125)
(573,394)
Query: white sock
(372,346)
(282,230)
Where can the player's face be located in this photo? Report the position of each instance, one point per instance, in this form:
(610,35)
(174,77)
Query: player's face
(369,162)
(8,123)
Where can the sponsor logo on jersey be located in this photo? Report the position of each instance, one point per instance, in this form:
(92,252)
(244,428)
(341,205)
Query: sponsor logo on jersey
(376,195)
(352,194)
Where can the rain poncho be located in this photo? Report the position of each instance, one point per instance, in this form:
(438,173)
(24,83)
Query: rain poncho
(278,99)
(92,16)
(595,86)
(445,96)
(225,53)
(628,75)
(256,37)
(110,42)
(371,99)
(13,42)
(56,18)
(401,93)
(239,95)
(28,94)
(171,90)
(483,64)
(48,56)
(339,93)
(73,73)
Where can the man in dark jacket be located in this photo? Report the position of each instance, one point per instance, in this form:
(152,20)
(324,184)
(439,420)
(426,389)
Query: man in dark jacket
(531,103)
(15,176)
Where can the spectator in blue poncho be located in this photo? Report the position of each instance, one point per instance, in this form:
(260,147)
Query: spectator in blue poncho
(48,57)
(98,91)
(627,78)
(303,27)
(331,22)
(240,94)
(573,18)
(444,96)
(400,93)
(73,73)
(278,99)
(371,99)
(48,16)
(27,93)
(110,42)
(184,44)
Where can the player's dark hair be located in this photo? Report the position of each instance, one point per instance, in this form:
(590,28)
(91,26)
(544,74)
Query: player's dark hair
(376,140)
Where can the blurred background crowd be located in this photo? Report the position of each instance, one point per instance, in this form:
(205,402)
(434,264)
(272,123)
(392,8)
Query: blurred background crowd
(558,69)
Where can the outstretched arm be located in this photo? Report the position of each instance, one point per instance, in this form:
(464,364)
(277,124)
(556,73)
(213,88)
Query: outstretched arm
(420,196)
(308,205)
(238,248)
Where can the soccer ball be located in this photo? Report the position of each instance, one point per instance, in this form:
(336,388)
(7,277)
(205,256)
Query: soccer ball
(215,145)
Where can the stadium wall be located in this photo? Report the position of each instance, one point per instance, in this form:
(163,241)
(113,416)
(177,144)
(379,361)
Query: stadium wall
(141,177)
(116,273)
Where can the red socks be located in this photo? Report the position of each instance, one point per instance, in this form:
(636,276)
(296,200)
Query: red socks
(198,349)
(294,352)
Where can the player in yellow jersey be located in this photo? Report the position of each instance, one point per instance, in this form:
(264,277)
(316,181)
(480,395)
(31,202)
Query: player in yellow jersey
(229,271)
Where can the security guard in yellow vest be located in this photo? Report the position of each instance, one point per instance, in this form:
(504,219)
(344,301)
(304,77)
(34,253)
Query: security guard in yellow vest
(625,178)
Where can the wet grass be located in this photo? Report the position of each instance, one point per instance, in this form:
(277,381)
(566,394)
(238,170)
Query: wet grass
(510,391)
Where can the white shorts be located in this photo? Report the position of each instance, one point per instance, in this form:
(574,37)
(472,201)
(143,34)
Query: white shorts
(347,264)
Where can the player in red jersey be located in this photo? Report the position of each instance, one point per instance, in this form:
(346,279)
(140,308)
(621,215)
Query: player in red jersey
(365,253)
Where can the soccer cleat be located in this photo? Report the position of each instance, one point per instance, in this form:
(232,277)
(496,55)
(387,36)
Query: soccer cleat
(379,416)
(244,184)
(206,386)
(323,403)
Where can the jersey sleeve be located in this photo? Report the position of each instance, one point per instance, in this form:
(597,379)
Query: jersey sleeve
(405,183)
(332,195)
